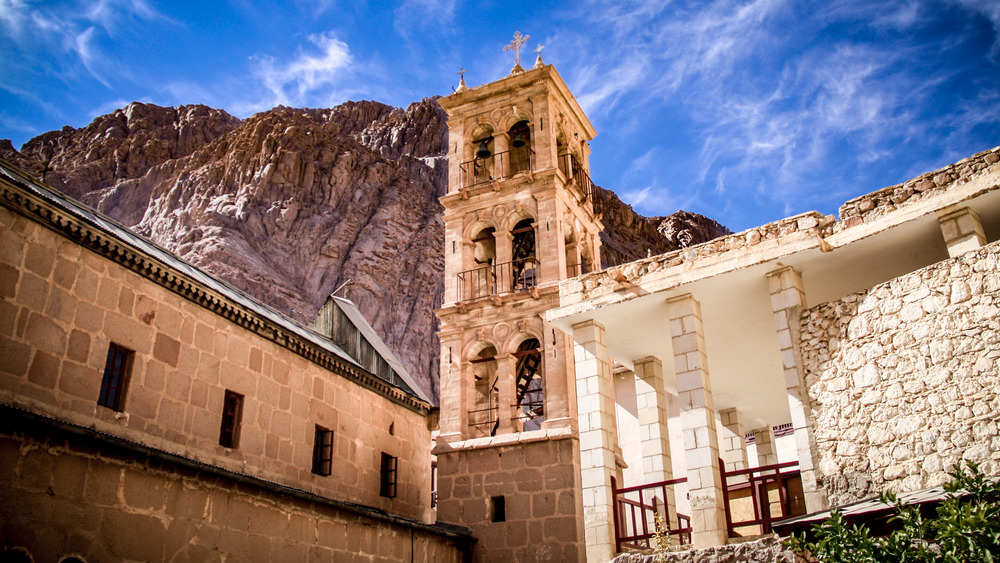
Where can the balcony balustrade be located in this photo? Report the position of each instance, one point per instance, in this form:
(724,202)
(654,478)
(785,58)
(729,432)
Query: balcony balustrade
(497,166)
(493,279)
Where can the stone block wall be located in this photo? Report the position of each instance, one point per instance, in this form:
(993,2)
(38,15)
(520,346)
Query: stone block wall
(61,305)
(540,484)
(70,491)
(767,549)
(904,378)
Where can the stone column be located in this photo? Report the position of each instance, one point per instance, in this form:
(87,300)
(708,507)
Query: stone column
(787,300)
(558,383)
(962,230)
(651,401)
(734,442)
(505,244)
(506,393)
(764,440)
(453,421)
(596,405)
(701,442)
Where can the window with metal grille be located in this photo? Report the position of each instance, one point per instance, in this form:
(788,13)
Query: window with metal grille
(322,451)
(388,485)
(232,412)
(116,372)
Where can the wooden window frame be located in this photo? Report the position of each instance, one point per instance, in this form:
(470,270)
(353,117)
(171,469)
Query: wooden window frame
(114,382)
(388,473)
(232,415)
(322,451)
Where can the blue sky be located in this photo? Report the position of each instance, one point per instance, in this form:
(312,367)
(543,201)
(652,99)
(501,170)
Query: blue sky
(743,110)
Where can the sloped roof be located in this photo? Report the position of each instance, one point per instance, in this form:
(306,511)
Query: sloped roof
(381,348)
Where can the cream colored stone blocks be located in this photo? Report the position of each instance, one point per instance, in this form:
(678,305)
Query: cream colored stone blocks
(787,300)
(734,444)
(962,231)
(701,443)
(651,400)
(767,454)
(596,407)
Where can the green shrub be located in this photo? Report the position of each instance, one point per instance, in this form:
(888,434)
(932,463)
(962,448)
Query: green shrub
(964,529)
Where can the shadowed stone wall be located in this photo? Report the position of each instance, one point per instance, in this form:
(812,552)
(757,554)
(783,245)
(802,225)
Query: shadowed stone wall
(540,483)
(66,490)
(904,378)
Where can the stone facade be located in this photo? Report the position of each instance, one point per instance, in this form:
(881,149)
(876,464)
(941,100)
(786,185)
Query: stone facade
(540,497)
(904,378)
(69,491)
(519,217)
(72,284)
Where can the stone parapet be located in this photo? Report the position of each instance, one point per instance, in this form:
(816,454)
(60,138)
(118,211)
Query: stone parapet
(737,245)
(876,204)
(904,378)
(767,548)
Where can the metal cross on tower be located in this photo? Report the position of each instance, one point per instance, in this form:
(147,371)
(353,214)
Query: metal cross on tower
(515,45)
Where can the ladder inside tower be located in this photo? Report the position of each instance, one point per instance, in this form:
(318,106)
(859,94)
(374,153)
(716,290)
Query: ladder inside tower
(529,380)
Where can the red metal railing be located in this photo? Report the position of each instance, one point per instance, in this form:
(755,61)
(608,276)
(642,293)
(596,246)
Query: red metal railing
(491,279)
(635,510)
(497,166)
(761,481)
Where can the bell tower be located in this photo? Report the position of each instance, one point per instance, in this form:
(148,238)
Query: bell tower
(519,218)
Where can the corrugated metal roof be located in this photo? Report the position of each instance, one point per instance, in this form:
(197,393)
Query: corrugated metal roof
(381,348)
(870,507)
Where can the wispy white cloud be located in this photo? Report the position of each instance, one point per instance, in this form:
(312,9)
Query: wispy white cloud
(311,77)
(773,91)
(66,35)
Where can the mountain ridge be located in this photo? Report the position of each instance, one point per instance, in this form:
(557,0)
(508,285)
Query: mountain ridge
(288,204)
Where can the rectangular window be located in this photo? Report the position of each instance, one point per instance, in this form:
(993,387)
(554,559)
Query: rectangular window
(498,509)
(388,486)
(322,451)
(116,372)
(232,413)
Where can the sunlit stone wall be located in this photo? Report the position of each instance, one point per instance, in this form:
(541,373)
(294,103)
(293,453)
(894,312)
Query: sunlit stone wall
(904,378)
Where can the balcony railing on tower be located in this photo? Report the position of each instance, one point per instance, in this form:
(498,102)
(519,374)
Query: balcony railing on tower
(497,166)
(576,174)
(493,279)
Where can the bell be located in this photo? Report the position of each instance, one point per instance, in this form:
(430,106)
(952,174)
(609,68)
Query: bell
(518,141)
(484,150)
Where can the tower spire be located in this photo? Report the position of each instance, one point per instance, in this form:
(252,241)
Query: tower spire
(539,63)
(515,45)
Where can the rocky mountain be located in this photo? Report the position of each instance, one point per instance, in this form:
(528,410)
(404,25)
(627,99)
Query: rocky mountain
(290,203)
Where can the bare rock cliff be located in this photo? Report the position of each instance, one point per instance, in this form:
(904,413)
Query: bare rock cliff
(288,204)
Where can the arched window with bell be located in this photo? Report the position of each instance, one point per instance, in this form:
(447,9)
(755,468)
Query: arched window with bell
(520,147)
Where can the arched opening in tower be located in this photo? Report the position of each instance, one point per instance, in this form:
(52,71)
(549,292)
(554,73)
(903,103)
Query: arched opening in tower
(520,147)
(523,265)
(530,394)
(484,417)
